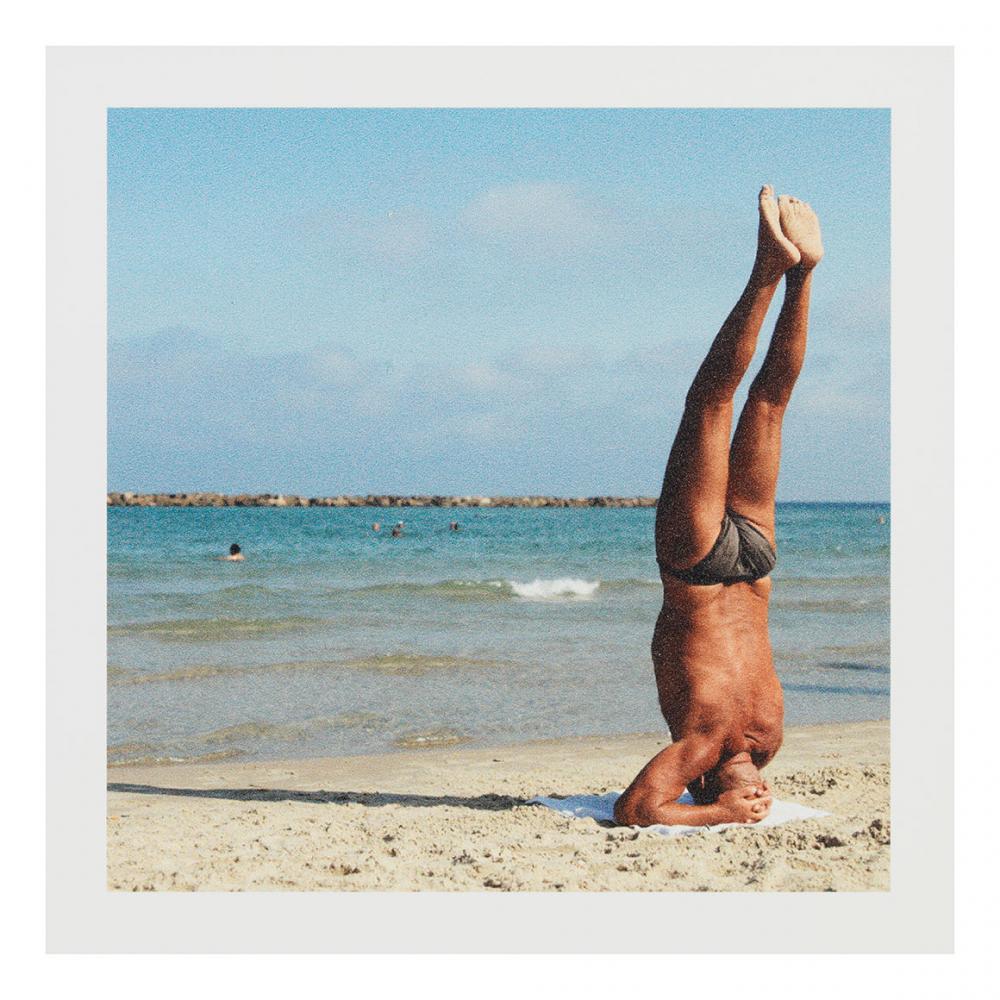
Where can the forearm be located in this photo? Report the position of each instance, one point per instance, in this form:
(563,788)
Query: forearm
(652,796)
(632,812)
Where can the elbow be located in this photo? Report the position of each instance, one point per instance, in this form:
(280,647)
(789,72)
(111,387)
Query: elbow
(636,809)
(624,812)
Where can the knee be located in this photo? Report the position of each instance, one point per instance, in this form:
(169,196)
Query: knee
(770,400)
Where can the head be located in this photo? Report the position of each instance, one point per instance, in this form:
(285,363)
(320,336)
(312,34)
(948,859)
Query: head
(234,549)
(737,771)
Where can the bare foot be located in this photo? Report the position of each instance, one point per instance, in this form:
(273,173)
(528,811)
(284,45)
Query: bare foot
(800,225)
(776,253)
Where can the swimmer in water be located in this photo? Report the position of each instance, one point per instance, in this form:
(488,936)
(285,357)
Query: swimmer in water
(397,530)
(376,526)
(235,554)
(453,525)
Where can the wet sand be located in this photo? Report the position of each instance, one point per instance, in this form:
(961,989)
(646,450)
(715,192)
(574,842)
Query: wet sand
(458,819)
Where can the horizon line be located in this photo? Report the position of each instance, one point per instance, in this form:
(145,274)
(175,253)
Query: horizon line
(210,498)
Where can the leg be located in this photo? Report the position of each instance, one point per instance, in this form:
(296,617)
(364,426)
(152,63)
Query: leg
(756,449)
(693,498)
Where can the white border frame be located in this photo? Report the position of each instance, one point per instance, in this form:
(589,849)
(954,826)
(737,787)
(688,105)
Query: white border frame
(916,83)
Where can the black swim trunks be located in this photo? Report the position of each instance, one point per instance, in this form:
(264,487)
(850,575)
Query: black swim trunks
(741,554)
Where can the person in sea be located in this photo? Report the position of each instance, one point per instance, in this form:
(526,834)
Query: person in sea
(715,547)
(235,554)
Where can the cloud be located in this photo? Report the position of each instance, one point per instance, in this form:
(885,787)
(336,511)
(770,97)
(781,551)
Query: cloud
(392,235)
(480,376)
(541,224)
(542,217)
(337,365)
(185,412)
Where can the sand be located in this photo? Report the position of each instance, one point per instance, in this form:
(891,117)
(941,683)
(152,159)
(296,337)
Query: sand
(457,819)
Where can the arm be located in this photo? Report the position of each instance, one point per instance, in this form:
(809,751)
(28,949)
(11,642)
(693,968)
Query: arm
(652,796)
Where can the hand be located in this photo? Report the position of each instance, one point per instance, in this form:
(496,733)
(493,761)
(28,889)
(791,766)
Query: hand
(749,804)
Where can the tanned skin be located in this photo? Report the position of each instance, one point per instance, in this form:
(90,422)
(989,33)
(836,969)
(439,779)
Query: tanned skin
(711,649)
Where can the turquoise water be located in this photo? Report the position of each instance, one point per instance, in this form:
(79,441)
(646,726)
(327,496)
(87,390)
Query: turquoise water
(331,639)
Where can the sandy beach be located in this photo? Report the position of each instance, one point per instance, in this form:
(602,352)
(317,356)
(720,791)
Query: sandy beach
(458,819)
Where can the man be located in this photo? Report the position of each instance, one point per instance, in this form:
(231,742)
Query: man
(235,554)
(711,650)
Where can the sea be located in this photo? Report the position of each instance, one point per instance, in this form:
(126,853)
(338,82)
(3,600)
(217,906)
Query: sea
(332,639)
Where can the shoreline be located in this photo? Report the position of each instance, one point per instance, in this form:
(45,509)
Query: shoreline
(468,748)
(458,819)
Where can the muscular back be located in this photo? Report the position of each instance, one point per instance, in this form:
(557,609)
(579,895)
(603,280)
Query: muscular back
(715,674)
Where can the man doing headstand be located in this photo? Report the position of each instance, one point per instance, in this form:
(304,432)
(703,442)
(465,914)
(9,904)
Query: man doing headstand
(712,656)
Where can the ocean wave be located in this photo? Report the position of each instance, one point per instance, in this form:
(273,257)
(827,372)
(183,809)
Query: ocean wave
(633,583)
(879,648)
(452,589)
(257,730)
(429,738)
(836,689)
(195,672)
(118,757)
(866,668)
(209,629)
(862,657)
(538,589)
(547,590)
(251,590)
(837,605)
(415,664)
(230,601)
(393,664)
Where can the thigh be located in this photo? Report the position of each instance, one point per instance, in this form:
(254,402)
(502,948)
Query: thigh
(754,459)
(693,499)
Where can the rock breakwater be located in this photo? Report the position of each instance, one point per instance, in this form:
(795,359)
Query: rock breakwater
(119,499)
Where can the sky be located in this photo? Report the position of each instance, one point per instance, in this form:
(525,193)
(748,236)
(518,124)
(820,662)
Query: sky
(479,301)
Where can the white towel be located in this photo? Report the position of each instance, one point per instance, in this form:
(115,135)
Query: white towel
(601,807)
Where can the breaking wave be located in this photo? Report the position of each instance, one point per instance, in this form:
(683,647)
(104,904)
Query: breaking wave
(546,590)
(427,739)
